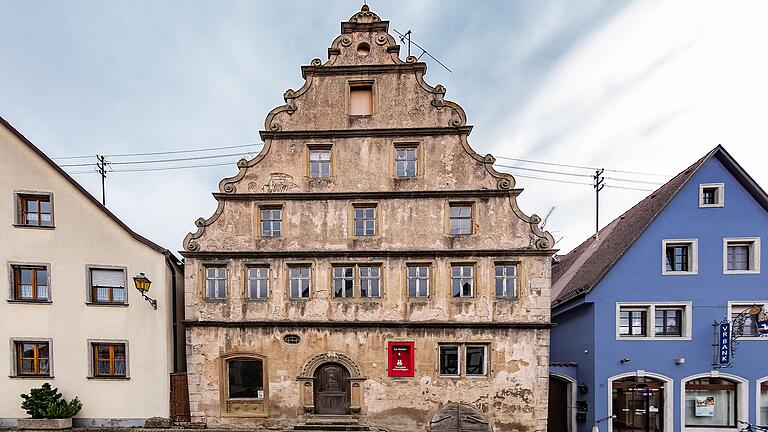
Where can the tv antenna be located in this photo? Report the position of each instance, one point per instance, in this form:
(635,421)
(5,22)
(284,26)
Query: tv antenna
(407,37)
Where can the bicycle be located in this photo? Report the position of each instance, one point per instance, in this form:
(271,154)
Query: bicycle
(752,428)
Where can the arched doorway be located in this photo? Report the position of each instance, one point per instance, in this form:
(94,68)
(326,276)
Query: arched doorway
(332,389)
(561,403)
(638,404)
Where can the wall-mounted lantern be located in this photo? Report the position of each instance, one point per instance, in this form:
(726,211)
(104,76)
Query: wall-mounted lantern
(143,283)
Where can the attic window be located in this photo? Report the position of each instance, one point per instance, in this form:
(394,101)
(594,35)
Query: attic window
(711,195)
(361,99)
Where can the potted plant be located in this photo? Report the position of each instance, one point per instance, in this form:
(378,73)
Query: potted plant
(47,409)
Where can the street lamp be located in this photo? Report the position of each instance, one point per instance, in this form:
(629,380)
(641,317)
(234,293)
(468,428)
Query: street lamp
(142,283)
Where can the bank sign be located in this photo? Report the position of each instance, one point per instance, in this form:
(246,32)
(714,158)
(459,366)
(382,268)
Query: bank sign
(724,344)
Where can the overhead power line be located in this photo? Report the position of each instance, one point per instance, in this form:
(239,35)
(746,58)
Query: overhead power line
(162,152)
(160,160)
(581,167)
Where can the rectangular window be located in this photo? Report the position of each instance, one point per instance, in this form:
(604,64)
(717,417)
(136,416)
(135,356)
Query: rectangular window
(108,286)
(475,359)
(320,163)
(711,402)
(741,255)
(365,221)
(633,322)
(506,280)
(216,282)
(680,257)
(669,322)
(245,378)
(449,360)
(30,283)
(258,283)
(711,195)
(32,358)
(406,160)
(361,99)
(343,282)
(300,282)
(749,314)
(370,281)
(35,210)
(418,281)
(461,219)
(763,412)
(462,280)
(271,221)
(109,360)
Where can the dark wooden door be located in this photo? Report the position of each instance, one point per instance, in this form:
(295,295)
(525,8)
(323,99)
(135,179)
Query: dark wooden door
(179,398)
(557,420)
(332,394)
(455,417)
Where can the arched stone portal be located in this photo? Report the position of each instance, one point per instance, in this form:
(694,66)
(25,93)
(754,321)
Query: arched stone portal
(347,373)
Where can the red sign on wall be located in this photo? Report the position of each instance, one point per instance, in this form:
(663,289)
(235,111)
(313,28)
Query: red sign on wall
(401,359)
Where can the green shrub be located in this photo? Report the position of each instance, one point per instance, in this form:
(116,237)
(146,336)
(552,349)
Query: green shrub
(45,402)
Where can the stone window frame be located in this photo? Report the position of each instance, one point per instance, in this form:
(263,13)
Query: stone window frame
(430,265)
(247,266)
(693,256)
(360,83)
(473,225)
(475,286)
(744,304)
(720,193)
(89,288)
(312,279)
(650,324)
(420,155)
(754,254)
(12,287)
(376,220)
(356,290)
(270,206)
(463,344)
(224,399)
(91,366)
(203,284)
(320,146)
(18,221)
(13,360)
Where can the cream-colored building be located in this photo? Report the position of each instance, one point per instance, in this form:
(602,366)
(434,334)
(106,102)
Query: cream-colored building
(368,264)
(72,316)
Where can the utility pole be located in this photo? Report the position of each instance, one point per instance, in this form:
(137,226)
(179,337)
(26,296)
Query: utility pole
(101,165)
(599,184)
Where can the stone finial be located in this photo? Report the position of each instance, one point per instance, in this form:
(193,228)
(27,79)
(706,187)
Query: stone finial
(364,16)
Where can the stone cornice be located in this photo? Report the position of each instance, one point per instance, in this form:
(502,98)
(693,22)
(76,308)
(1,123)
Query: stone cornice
(367,69)
(353,133)
(374,324)
(372,195)
(346,253)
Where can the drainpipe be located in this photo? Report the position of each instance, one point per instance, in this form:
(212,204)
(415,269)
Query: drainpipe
(170,263)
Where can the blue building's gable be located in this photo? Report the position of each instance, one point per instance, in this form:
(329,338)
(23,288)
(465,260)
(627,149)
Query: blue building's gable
(636,281)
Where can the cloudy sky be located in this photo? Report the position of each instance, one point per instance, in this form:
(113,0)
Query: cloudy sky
(643,86)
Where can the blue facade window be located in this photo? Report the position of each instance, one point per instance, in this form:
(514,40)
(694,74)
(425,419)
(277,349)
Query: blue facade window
(710,402)
(709,195)
(738,257)
(669,322)
(678,257)
(633,322)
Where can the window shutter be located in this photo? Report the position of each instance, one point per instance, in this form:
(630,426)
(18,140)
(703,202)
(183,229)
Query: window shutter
(108,278)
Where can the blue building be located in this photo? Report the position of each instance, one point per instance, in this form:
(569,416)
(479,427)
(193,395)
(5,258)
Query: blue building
(635,347)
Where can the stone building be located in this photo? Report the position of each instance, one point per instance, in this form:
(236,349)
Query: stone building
(368,263)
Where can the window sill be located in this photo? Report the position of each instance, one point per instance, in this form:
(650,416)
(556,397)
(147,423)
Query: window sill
(43,227)
(90,303)
(753,338)
(105,378)
(462,299)
(43,377)
(14,301)
(741,272)
(257,300)
(418,299)
(679,273)
(711,205)
(652,339)
(215,300)
(303,298)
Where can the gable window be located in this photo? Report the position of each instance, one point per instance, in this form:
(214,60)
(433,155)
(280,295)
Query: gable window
(653,320)
(32,358)
(361,99)
(680,257)
(109,359)
(741,255)
(418,281)
(506,280)
(258,282)
(370,281)
(320,163)
(271,222)
(714,397)
(365,220)
(711,195)
(463,359)
(462,280)
(245,378)
(107,286)
(35,210)
(215,282)
(300,282)
(406,161)
(633,322)
(750,318)
(668,322)
(30,283)
(343,282)
(461,219)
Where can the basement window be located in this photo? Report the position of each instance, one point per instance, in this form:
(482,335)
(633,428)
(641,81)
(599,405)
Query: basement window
(361,99)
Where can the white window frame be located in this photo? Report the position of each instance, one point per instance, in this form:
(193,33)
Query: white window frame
(746,303)
(754,254)
(693,256)
(485,359)
(742,400)
(472,275)
(758,383)
(650,322)
(249,289)
(418,280)
(206,267)
(720,194)
(309,278)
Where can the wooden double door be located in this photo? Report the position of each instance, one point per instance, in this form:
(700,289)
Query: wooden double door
(332,390)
